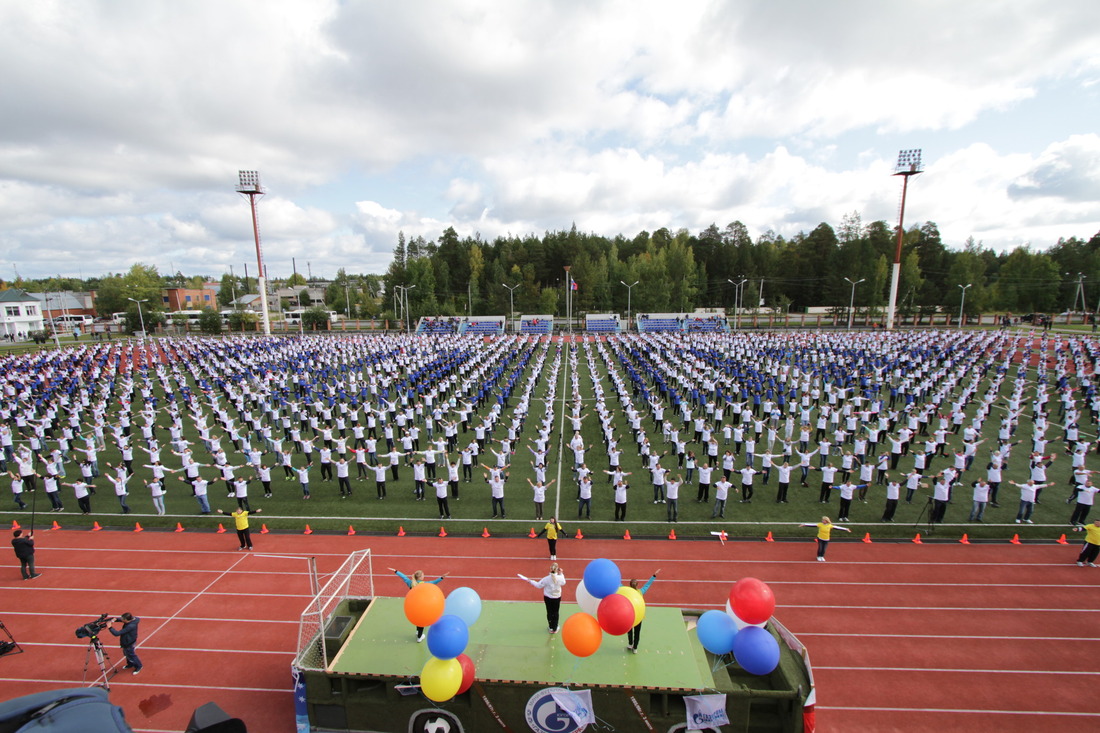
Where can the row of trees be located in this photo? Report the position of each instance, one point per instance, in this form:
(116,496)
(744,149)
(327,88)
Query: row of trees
(680,271)
(675,271)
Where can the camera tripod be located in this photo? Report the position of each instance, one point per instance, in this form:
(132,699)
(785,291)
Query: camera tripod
(106,668)
(930,509)
(11,646)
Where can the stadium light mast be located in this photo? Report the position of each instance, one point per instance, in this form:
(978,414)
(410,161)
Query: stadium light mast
(908,165)
(852,300)
(512,303)
(249,186)
(629,289)
(962,302)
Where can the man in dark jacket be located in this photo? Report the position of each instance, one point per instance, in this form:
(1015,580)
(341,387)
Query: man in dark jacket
(24,550)
(128,636)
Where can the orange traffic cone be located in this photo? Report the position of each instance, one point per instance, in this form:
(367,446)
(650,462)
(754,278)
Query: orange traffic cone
(221,529)
(1062,540)
(179,527)
(626,536)
(264,529)
(55,525)
(965,540)
(1015,539)
(15,525)
(916,540)
(769,538)
(351,530)
(400,531)
(485,532)
(867,538)
(723,536)
(442,532)
(672,534)
(307,530)
(532,534)
(578,535)
(96,527)
(137,527)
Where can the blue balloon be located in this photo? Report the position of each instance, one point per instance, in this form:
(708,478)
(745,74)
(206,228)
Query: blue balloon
(756,650)
(602,578)
(717,632)
(448,637)
(464,603)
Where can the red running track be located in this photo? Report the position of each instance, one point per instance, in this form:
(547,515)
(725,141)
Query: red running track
(903,637)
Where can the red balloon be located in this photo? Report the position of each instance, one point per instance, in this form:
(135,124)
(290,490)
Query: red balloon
(616,614)
(467,673)
(752,600)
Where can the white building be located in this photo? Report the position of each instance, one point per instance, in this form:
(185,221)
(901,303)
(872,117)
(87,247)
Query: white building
(20,313)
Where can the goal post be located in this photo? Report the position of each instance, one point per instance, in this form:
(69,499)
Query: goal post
(354,580)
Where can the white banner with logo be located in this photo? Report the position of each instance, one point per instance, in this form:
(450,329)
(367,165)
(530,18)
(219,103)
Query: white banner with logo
(578,705)
(706,711)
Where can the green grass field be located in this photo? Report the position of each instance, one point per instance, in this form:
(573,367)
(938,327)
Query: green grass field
(286,510)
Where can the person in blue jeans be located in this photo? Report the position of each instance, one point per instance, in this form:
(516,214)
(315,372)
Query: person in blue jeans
(635,633)
(127,639)
(416,579)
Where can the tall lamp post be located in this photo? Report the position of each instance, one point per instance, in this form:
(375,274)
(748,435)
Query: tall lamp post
(908,165)
(141,318)
(249,186)
(962,302)
(407,318)
(512,303)
(852,300)
(629,289)
(737,301)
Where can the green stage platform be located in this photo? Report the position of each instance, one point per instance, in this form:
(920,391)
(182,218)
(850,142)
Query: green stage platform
(510,643)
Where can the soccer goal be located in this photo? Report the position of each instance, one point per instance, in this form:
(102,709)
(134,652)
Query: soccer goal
(325,621)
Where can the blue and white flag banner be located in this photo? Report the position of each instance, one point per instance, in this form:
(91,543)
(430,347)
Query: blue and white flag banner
(706,711)
(578,705)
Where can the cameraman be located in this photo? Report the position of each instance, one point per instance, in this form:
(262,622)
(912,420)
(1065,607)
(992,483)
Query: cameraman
(128,636)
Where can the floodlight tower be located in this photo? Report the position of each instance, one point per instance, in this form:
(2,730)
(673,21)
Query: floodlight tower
(908,165)
(250,186)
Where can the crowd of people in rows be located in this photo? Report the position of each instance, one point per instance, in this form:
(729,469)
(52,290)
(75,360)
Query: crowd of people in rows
(720,413)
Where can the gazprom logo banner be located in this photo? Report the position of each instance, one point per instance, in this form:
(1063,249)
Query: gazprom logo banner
(544,715)
(706,711)
(578,704)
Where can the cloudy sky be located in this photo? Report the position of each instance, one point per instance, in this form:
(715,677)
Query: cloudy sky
(126,121)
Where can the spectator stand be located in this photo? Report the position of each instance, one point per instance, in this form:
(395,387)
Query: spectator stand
(655,322)
(602,323)
(706,323)
(484,325)
(439,325)
(536,324)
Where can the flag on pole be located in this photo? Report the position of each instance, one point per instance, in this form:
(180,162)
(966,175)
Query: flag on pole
(574,285)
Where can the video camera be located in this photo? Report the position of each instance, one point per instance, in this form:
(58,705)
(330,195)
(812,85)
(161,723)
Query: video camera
(91,629)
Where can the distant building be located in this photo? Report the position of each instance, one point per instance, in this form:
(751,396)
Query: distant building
(185,299)
(316,295)
(67,303)
(20,313)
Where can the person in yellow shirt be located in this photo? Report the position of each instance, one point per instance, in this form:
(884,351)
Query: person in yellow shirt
(240,520)
(824,532)
(551,531)
(1092,544)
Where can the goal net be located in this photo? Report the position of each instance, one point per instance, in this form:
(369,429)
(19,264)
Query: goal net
(353,581)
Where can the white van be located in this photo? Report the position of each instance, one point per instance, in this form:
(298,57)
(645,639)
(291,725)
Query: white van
(72,321)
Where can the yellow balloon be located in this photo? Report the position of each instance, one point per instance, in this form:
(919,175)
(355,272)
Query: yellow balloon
(636,600)
(441,678)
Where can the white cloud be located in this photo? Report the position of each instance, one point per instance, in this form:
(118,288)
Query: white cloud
(125,122)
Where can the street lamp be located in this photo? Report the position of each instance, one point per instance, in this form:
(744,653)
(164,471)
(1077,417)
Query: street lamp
(962,302)
(512,303)
(852,300)
(407,319)
(737,301)
(629,289)
(141,318)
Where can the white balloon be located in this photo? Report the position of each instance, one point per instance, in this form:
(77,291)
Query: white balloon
(588,602)
(740,624)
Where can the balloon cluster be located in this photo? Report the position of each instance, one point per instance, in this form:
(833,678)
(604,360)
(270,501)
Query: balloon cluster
(449,672)
(606,606)
(741,628)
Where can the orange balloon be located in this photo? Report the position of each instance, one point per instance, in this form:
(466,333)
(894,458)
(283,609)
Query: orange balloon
(581,634)
(424,604)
